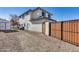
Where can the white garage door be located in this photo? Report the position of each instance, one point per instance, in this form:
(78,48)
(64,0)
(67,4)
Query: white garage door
(36,27)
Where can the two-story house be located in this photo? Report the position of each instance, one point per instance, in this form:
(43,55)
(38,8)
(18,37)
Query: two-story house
(33,19)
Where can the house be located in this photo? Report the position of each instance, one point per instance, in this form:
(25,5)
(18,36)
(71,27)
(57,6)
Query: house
(4,24)
(33,19)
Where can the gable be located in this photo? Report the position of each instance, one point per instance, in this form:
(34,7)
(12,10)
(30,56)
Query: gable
(36,14)
(38,8)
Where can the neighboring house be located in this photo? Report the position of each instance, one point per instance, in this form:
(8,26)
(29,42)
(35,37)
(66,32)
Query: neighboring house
(33,19)
(4,24)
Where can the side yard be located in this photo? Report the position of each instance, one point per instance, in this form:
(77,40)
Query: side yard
(27,41)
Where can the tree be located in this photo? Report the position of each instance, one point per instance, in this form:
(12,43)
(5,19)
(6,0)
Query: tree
(14,20)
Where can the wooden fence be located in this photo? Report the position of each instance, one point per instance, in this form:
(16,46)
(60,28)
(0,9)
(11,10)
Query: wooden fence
(67,31)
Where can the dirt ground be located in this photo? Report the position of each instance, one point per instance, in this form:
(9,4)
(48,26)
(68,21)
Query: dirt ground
(27,41)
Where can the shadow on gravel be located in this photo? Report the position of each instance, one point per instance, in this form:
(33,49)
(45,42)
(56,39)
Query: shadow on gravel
(8,31)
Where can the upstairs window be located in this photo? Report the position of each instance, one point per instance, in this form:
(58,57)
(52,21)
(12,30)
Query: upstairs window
(49,16)
(46,15)
(43,14)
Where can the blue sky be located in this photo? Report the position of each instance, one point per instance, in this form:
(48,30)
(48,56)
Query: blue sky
(59,13)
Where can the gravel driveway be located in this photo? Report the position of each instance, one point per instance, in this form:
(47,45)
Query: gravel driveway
(27,41)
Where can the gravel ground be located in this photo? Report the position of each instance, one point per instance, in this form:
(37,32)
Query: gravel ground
(27,41)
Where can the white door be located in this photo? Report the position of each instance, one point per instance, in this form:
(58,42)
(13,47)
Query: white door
(27,26)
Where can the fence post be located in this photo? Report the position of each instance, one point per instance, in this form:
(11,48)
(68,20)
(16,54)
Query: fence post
(49,28)
(5,25)
(62,30)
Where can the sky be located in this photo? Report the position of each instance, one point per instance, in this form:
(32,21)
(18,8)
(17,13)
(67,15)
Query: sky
(59,13)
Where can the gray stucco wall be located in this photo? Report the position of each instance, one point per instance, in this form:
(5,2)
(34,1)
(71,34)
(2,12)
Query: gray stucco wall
(36,14)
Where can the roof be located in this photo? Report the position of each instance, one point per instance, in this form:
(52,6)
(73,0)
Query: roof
(3,20)
(42,10)
(41,20)
(34,10)
(26,12)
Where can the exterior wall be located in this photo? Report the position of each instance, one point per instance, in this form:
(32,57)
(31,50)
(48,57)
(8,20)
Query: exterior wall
(23,21)
(43,27)
(33,27)
(47,28)
(28,25)
(2,26)
(5,26)
(8,26)
(27,17)
(36,14)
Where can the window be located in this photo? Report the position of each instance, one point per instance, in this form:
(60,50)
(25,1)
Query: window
(46,14)
(49,16)
(43,14)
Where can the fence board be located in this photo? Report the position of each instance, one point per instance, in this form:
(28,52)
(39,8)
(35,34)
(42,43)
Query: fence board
(70,32)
